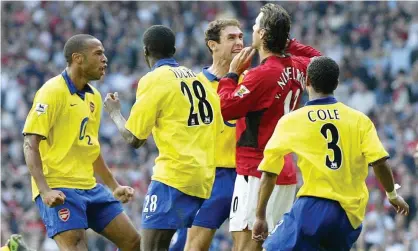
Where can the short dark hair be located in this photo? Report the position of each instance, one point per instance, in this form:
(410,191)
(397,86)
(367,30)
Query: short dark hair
(160,41)
(75,44)
(276,22)
(323,74)
(213,32)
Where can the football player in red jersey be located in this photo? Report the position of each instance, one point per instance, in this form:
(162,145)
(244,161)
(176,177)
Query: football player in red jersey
(266,93)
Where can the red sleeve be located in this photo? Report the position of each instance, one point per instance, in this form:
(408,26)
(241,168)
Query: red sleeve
(297,49)
(238,100)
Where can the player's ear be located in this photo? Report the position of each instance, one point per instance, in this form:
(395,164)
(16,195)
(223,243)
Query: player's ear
(262,33)
(212,45)
(308,81)
(145,50)
(77,57)
(174,50)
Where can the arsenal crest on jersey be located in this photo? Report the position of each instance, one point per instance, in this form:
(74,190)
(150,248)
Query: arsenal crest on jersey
(91,107)
(64,214)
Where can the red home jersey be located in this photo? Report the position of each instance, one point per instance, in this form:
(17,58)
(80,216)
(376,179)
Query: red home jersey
(266,93)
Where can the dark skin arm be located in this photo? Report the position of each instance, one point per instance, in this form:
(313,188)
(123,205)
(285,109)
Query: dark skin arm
(260,228)
(120,122)
(112,106)
(32,154)
(384,174)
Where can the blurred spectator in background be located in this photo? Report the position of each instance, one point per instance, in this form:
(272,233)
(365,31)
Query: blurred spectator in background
(375,43)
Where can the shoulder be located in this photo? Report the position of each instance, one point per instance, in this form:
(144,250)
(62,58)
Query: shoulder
(290,118)
(257,75)
(303,61)
(362,119)
(54,88)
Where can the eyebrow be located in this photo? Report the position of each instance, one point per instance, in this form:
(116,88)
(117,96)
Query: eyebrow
(235,34)
(97,50)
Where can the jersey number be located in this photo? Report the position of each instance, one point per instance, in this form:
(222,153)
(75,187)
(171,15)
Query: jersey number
(83,131)
(205,109)
(338,155)
(290,101)
(152,206)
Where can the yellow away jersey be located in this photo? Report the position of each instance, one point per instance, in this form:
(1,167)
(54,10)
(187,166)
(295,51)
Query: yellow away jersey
(226,141)
(69,122)
(334,144)
(184,117)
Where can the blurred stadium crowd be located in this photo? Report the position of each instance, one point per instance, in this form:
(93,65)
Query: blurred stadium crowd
(375,43)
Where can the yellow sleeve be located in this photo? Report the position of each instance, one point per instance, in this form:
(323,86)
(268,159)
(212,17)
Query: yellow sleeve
(371,146)
(277,147)
(43,114)
(145,111)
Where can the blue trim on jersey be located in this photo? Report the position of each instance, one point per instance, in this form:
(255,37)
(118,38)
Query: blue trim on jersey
(230,124)
(209,75)
(165,61)
(73,89)
(322,101)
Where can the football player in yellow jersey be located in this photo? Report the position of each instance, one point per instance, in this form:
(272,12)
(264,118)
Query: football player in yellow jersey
(224,40)
(62,151)
(184,118)
(335,145)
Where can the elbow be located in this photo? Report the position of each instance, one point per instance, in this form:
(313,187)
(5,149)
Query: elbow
(137,143)
(27,147)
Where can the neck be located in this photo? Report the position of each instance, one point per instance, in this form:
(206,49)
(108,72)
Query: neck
(316,95)
(152,61)
(77,77)
(219,67)
(263,53)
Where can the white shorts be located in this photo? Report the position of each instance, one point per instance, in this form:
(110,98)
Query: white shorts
(244,203)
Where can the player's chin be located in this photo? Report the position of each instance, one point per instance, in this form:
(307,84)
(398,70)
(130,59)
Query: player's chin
(100,74)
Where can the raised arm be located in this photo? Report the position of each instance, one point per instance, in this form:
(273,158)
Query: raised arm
(296,48)
(112,106)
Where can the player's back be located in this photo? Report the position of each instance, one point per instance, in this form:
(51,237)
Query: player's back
(185,130)
(280,81)
(334,144)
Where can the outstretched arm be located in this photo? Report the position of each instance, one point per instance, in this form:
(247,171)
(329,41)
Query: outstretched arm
(296,48)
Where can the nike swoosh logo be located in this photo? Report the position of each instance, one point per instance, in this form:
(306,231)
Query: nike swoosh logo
(147,216)
(73,104)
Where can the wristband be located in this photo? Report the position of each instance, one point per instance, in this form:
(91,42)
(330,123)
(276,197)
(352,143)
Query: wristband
(232,75)
(392,195)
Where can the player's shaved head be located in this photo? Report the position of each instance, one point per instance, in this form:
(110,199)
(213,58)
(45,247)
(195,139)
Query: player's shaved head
(76,44)
(213,32)
(276,23)
(323,73)
(159,42)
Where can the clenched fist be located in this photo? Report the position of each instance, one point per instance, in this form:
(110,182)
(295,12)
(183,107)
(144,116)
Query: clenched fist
(124,193)
(53,198)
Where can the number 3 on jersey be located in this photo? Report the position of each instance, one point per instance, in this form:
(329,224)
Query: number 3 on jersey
(333,145)
(205,111)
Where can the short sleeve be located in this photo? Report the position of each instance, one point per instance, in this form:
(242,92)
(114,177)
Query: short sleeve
(371,146)
(144,112)
(43,114)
